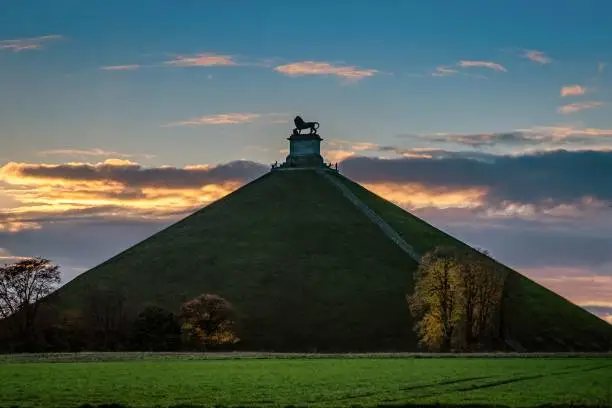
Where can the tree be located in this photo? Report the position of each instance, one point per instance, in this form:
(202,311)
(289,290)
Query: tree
(435,301)
(22,285)
(208,319)
(481,283)
(155,329)
(106,320)
(457,299)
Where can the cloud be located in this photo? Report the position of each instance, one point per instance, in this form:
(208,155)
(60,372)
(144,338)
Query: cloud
(579,106)
(91,153)
(536,56)
(27,44)
(324,68)
(554,136)
(601,67)
(114,188)
(444,71)
(578,284)
(233,119)
(572,90)
(561,183)
(202,60)
(6,257)
(129,67)
(219,119)
(482,64)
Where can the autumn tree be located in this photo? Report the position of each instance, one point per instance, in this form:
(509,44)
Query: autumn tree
(457,299)
(155,329)
(481,283)
(208,320)
(435,303)
(22,285)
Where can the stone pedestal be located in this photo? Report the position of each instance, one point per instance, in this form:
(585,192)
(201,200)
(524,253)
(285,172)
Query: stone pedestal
(304,151)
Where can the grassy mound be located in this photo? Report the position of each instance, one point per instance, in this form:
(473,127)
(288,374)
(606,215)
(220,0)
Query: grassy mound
(304,268)
(307,271)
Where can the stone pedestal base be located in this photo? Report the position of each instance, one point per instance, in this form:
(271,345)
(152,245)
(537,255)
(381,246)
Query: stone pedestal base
(313,160)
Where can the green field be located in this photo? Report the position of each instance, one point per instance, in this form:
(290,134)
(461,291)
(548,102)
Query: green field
(393,381)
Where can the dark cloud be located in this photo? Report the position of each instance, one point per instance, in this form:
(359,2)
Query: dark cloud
(558,176)
(135,175)
(427,153)
(488,139)
(76,248)
(556,135)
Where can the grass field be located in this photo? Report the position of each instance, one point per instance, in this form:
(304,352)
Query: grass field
(395,381)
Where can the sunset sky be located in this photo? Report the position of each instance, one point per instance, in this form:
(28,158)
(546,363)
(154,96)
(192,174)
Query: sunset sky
(491,120)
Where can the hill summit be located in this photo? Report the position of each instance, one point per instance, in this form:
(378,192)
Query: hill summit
(313,261)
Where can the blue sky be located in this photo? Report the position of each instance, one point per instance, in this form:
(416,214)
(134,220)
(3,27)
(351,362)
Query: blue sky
(107,87)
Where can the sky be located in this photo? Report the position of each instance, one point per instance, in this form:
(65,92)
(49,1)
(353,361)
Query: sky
(490,120)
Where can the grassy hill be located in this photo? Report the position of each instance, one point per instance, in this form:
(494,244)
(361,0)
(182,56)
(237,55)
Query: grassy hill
(307,271)
(536,317)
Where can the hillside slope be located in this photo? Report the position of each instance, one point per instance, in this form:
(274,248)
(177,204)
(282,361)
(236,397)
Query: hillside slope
(302,265)
(308,271)
(535,317)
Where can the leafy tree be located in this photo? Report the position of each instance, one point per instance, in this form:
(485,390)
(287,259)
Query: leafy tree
(155,329)
(208,320)
(435,303)
(22,285)
(457,299)
(481,283)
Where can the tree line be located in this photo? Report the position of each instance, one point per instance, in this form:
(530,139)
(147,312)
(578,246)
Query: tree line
(455,305)
(106,323)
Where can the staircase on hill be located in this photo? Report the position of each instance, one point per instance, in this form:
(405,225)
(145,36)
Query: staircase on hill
(368,212)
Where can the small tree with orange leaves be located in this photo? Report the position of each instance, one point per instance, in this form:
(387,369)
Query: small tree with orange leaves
(208,320)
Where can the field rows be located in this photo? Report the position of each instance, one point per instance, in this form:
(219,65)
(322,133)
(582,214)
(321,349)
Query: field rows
(165,381)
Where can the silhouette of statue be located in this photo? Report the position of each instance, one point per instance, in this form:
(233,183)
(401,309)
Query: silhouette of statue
(300,125)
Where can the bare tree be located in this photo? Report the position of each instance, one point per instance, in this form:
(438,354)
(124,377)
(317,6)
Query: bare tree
(106,319)
(22,285)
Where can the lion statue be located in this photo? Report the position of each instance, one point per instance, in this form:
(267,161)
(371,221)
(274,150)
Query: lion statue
(300,125)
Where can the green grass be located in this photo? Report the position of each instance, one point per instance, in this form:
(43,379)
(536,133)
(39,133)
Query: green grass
(537,318)
(328,382)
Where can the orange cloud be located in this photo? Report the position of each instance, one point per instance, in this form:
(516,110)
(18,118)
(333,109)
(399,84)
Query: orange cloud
(482,64)
(578,285)
(572,90)
(579,106)
(90,153)
(130,67)
(336,156)
(115,188)
(219,119)
(324,68)
(202,60)
(414,196)
(24,44)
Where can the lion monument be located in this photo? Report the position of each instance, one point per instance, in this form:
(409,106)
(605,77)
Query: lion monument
(300,125)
